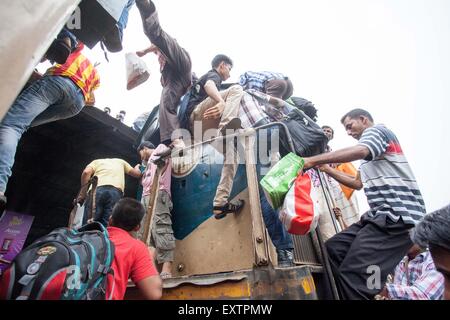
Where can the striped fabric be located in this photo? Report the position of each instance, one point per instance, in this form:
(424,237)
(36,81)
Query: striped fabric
(254,108)
(79,69)
(417,279)
(257,80)
(389,184)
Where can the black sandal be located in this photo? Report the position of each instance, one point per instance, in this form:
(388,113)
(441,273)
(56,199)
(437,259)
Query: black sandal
(228,208)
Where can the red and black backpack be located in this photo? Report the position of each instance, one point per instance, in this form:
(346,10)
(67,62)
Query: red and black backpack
(63,265)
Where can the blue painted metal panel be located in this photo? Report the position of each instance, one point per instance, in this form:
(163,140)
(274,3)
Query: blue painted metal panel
(193,195)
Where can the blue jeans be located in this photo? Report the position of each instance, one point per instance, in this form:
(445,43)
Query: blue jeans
(281,239)
(105,199)
(123,20)
(46,100)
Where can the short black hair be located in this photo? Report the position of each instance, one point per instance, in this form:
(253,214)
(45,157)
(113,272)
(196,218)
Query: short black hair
(289,89)
(127,214)
(145,144)
(434,230)
(355,113)
(217,60)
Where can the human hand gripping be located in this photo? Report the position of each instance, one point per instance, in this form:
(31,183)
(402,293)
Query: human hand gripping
(215,112)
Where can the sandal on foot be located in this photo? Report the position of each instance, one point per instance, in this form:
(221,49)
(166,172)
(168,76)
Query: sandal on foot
(229,207)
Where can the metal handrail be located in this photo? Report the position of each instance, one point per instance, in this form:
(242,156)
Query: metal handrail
(251,131)
(245,133)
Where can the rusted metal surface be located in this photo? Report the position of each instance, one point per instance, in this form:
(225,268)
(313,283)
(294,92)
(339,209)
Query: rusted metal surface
(259,239)
(326,264)
(304,251)
(204,280)
(294,283)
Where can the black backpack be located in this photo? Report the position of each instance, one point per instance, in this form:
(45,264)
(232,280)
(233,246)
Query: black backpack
(63,265)
(307,136)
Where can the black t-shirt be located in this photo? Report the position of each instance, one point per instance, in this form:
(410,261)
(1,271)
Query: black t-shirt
(198,93)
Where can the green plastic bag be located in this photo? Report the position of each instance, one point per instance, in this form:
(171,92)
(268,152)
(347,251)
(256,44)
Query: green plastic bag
(278,180)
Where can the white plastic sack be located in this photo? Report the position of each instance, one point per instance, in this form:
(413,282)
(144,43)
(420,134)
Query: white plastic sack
(78,217)
(137,71)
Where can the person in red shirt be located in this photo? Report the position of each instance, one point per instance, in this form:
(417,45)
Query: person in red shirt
(132,258)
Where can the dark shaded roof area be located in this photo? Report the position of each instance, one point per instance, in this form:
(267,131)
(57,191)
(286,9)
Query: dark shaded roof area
(51,157)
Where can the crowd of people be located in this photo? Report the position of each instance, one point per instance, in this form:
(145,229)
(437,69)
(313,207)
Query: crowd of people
(395,235)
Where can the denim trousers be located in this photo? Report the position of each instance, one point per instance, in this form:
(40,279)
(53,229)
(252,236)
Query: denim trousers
(123,20)
(48,99)
(281,239)
(105,199)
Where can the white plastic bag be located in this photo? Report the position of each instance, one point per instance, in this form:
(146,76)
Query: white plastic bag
(78,212)
(137,71)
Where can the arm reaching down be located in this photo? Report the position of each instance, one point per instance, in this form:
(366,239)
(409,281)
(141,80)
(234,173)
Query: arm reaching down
(342,177)
(142,53)
(87,173)
(135,172)
(349,154)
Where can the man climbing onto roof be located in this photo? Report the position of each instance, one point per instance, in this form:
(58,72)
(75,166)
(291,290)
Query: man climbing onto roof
(61,93)
(175,66)
(212,109)
(272,83)
(110,186)
(373,246)
(161,229)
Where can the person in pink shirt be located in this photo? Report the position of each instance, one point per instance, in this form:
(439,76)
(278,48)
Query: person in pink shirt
(162,237)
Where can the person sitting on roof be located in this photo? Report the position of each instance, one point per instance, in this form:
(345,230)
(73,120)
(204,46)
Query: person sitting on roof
(272,83)
(132,259)
(110,186)
(61,93)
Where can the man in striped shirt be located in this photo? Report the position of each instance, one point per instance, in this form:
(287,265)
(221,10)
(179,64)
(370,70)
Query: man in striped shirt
(60,94)
(365,253)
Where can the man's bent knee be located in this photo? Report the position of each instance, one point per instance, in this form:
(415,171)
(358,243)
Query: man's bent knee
(236,90)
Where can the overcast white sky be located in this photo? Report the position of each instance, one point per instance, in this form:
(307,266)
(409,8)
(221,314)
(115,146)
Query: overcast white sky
(391,57)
